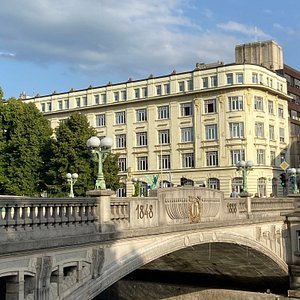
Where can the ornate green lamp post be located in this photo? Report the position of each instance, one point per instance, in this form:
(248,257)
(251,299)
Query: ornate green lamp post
(100,149)
(245,167)
(293,172)
(71,178)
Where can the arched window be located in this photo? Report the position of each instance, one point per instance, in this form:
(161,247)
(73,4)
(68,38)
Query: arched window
(262,187)
(213,183)
(237,184)
(274,187)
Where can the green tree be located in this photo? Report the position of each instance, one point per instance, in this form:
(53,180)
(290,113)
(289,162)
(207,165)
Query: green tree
(70,154)
(110,171)
(25,136)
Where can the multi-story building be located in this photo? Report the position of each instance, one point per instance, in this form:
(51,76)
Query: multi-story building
(196,124)
(270,55)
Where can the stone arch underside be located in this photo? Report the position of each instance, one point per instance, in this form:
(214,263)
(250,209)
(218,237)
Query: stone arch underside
(164,245)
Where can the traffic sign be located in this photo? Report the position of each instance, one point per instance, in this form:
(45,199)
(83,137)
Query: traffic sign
(284,165)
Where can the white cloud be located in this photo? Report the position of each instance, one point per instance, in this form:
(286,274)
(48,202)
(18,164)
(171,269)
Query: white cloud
(97,36)
(251,31)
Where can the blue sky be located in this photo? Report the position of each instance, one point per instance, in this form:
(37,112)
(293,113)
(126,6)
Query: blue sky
(55,45)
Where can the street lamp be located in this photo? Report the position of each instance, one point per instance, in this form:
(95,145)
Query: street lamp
(245,167)
(100,149)
(137,186)
(71,178)
(293,172)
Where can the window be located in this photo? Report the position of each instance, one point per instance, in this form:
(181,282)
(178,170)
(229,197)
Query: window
(272,158)
(43,107)
(262,186)
(270,107)
(229,78)
(210,106)
(123,95)
(141,115)
(181,86)
(66,104)
(164,162)
(259,129)
(213,183)
(237,156)
(100,120)
(236,130)
(186,109)
(212,158)
(260,153)
(188,160)
(235,103)
(141,138)
(120,140)
(60,105)
(258,103)
(254,78)
(144,92)
(122,164)
(116,96)
(281,135)
(280,111)
(78,102)
(239,78)
(84,100)
(158,90)
(187,134)
(205,82)
(137,93)
(211,132)
(103,98)
(120,117)
(164,136)
(237,184)
(142,163)
(271,132)
(190,85)
(96,99)
(214,81)
(121,191)
(163,112)
(49,106)
(167,88)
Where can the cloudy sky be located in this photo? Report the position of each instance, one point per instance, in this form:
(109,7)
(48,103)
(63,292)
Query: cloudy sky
(56,45)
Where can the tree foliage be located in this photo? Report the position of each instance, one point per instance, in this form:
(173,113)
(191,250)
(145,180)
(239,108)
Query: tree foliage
(25,136)
(69,154)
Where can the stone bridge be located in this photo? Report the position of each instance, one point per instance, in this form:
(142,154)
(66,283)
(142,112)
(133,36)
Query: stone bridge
(75,248)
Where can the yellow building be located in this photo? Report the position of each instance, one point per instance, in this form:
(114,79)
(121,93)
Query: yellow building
(195,124)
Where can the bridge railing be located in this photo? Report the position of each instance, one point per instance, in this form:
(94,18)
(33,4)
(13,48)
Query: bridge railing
(24,217)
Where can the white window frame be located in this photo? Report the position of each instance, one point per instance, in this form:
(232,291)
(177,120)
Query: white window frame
(186,109)
(164,137)
(100,120)
(236,130)
(212,158)
(211,132)
(258,103)
(120,117)
(188,160)
(163,112)
(237,155)
(236,103)
(141,139)
(259,130)
(121,140)
(122,161)
(142,163)
(272,132)
(210,106)
(187,134)
(260,157)
(164,162)
(141,115)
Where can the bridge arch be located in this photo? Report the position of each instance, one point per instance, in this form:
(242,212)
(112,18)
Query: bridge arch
(169,243)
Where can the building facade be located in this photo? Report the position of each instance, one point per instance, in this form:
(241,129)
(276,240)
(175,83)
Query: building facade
(194,125)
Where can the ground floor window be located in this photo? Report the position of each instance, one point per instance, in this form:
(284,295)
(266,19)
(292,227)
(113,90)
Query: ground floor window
(213,183)
(262,187)
(274,187)
(237,184)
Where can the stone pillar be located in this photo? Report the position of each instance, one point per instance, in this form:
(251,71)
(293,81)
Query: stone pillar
(15,287)
(103,210)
